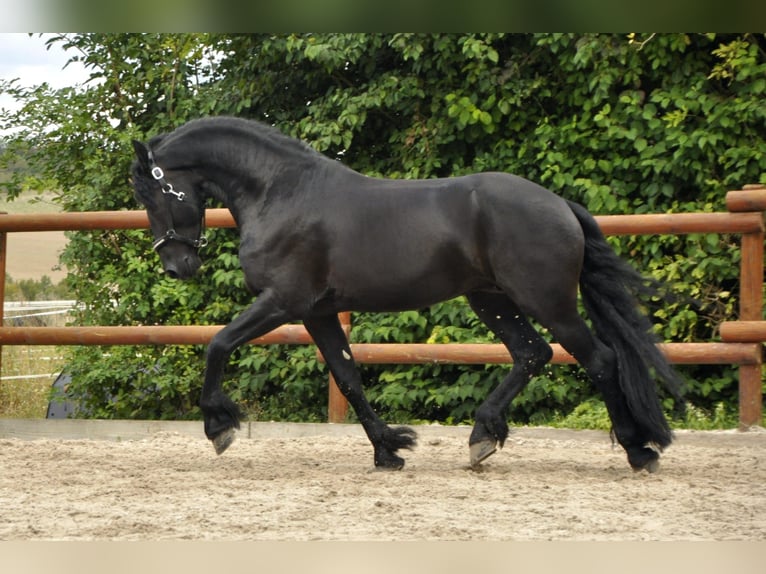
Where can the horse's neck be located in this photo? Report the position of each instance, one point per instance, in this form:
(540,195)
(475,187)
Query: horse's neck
(247,167)
(242,172)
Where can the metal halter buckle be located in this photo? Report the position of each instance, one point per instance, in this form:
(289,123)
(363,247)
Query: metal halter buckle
(167,187)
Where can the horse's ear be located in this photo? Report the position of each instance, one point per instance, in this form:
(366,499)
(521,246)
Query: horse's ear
(142,153)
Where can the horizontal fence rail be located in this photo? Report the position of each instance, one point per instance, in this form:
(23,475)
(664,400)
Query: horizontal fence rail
(141,335)
(741,340)
(485,353)
(645,224)
(739,331)
(380,353)
(96,220)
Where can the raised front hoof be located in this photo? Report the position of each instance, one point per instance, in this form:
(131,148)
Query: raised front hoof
(223,440)
(481,451)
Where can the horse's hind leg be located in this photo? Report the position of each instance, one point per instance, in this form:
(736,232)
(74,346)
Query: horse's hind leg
(331,340)
(530,353)
(599,362)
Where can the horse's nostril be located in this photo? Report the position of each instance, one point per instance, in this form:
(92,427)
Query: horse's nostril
(172,273)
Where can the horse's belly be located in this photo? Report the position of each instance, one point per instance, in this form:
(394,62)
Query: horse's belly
(397,289)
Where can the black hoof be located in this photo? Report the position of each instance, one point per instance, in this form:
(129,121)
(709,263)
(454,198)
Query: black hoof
(388,461)
(488,436)
(224,440)
(480,451)
(645,458)
(651,466)
(222,417)
(392,440)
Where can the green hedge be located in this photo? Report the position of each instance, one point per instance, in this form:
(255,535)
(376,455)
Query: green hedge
(621,123)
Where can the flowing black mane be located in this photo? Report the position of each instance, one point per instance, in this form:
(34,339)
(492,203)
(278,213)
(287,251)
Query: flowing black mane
(225,128)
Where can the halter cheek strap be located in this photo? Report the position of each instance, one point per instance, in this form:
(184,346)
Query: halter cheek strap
(159,175)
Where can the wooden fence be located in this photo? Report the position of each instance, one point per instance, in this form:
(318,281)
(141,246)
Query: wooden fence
(741,340)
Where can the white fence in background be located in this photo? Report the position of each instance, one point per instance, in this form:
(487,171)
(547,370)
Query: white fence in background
(13,311)
(34,312)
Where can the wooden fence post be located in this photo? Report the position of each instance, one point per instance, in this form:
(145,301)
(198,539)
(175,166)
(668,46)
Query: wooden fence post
(751,198)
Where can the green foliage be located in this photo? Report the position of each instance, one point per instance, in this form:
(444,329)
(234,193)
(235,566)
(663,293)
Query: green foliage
(632,123)
(590,414)
(719,415)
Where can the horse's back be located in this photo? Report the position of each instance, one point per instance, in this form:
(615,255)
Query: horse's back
(440,238)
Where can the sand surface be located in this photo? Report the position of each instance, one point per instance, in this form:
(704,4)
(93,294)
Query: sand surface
(545,485)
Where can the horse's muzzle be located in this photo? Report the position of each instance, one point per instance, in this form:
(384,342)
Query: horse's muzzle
(182,268)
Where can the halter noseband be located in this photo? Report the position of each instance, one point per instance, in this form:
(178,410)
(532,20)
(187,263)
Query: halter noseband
(171,235)
(167,189)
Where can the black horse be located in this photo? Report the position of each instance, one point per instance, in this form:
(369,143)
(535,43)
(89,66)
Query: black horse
(318,238)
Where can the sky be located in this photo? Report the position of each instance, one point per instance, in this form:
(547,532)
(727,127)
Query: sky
(26,58)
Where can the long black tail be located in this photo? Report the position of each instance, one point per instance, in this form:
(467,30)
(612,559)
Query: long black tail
(611,291)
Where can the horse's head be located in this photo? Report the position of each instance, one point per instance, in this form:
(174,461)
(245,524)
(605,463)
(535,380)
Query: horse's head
(174,202)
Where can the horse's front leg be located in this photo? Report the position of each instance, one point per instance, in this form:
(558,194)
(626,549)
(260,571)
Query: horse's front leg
(331,340)
(221,414)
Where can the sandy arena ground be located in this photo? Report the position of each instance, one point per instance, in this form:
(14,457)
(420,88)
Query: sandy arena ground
(545,485)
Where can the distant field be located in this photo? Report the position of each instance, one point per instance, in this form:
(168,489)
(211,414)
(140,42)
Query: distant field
(32,255)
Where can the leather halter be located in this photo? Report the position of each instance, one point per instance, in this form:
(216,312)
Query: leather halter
(168,190)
